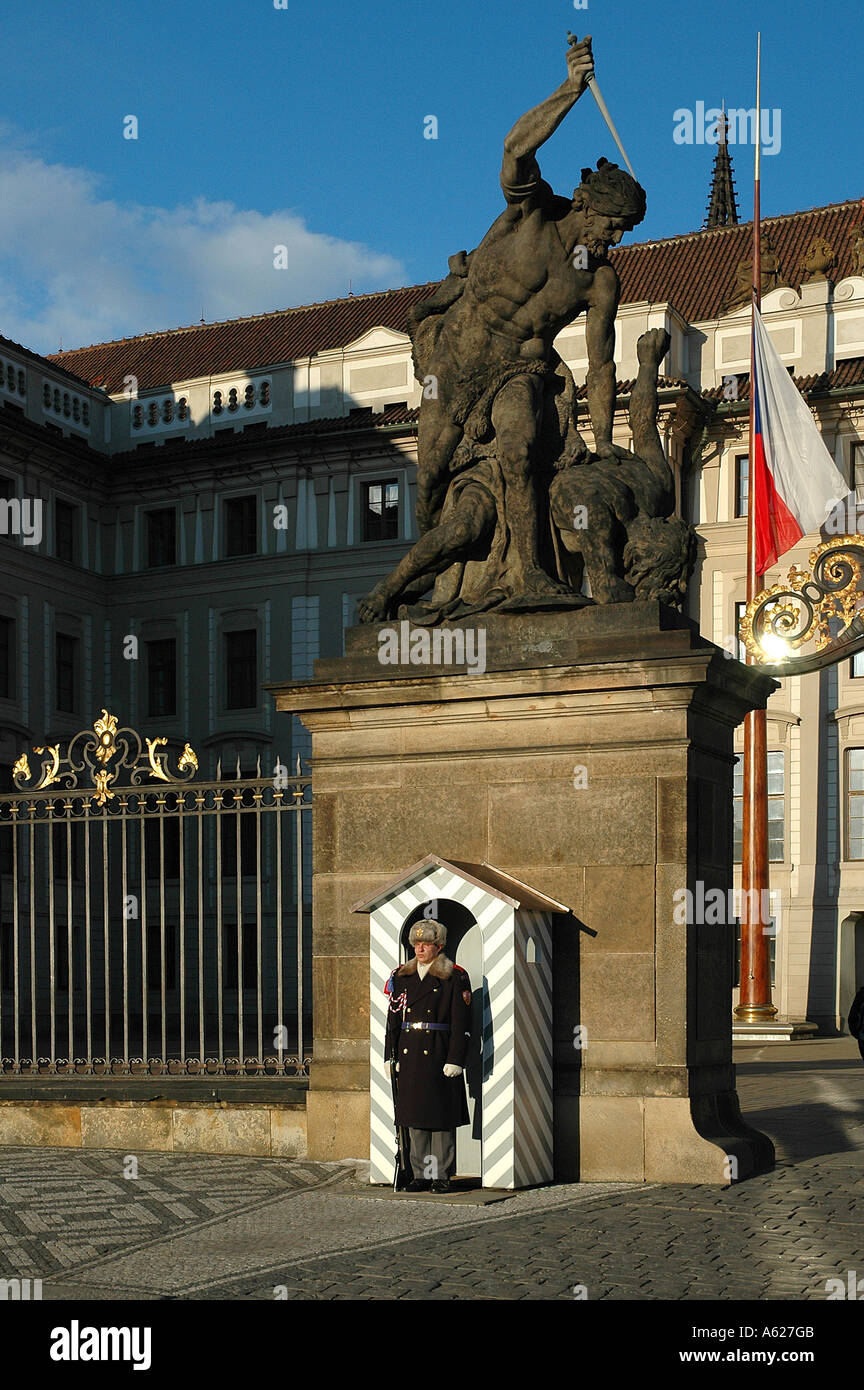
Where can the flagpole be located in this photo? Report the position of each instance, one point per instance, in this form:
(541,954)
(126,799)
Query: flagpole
(755,1003)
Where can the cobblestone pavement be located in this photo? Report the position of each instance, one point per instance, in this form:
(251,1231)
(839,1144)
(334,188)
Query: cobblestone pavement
(202,1227)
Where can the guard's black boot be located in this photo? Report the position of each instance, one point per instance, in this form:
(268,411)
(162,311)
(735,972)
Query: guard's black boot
(418,1185)
(441,1185)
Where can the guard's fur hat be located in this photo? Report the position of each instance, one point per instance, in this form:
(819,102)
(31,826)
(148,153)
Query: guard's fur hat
(427,930)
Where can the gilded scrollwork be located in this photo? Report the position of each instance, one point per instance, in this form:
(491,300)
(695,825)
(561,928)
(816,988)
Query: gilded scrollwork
(97,757)
(188,758)
(105,729)
(817,605)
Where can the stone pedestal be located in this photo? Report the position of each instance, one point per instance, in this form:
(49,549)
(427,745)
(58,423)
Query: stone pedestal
(592,758)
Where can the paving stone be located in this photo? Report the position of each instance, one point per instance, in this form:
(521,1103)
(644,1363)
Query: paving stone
(206,1227)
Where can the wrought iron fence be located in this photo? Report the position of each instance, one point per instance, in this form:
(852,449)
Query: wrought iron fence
(151,923)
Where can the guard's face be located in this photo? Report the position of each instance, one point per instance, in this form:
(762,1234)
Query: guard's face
(425,951)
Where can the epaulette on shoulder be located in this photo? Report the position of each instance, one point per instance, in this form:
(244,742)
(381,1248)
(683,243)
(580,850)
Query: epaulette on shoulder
(459,968)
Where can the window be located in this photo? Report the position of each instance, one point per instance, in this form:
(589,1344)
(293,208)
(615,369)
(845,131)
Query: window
(855,803)
(161,677)
(856,665)
(246,819)
(742,477)
(857,472)
(772,955)
(7,658)
(154,956)
(241,526)
(776,808)
(162,537)
(66,655)
(6,859)
(65,528)
(739,614)
(381,511)
(231,939)
(68,849)
(7,958)
(162,847)
(241,669)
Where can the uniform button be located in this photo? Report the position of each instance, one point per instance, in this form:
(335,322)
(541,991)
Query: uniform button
(425,1052)
(404,1052)
(408,1011)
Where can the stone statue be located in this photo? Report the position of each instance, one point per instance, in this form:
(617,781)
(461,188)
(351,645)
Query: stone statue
(615,518)
(857,244)
(770,276)
(819,259)
(499,410)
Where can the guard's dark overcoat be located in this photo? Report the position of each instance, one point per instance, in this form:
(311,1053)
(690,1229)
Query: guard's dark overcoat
(427,1099)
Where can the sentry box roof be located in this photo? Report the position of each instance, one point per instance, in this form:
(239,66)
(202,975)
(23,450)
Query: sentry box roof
(499,884)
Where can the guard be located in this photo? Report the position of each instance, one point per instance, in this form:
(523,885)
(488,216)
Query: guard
(428,1029)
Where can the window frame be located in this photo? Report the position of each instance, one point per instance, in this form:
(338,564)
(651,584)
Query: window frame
(250,499)
(149,539)
(8,646)
(848,794)
(740,505)
(233,633)
(72,512)
(366,511)
(738,799)
(152,712)
(74,665)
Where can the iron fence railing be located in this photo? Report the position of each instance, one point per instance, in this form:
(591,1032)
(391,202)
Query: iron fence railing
(152,924)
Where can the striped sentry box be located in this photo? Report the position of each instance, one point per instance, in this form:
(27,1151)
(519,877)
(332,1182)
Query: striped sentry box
(515,926)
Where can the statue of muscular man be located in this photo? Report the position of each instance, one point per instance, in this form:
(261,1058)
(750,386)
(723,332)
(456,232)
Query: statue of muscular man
(485,338)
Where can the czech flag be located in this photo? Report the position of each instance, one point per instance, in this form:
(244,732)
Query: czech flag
(796,483)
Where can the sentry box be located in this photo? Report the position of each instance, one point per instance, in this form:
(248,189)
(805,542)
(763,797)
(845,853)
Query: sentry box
(499,930)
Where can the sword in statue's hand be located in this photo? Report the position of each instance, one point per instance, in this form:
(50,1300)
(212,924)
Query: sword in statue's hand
(604,110)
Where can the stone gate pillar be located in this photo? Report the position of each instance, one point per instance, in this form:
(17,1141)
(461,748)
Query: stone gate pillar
(592,758)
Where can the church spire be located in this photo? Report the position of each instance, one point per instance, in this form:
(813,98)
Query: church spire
(722,207)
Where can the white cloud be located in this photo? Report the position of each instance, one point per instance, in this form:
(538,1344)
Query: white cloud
(81,268)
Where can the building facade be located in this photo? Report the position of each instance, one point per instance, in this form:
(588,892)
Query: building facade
(213,500)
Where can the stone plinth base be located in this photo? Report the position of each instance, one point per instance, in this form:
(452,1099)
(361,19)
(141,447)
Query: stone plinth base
(268,1131)
(777,1030)
(591,759)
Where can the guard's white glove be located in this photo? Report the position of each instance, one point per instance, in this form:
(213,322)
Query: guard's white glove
(451,1071)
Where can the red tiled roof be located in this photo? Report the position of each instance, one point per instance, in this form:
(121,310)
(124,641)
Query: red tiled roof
(50,364)
(696,273)
(248,344)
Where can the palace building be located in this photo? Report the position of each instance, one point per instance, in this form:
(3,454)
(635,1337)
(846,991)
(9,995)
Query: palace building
(223,494)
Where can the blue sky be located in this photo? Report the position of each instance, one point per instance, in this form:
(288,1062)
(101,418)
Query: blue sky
(303,127)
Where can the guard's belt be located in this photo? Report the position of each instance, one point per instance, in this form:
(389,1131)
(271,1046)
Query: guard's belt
(426,1027)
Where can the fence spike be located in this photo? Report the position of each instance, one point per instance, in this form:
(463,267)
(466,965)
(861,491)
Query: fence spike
(219,769)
